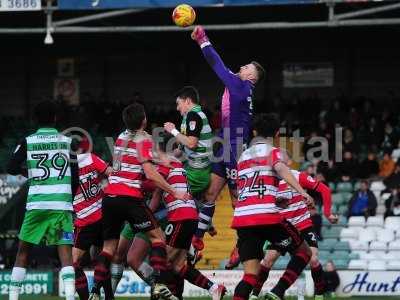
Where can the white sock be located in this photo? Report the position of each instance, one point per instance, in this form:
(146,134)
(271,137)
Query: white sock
(146,270)
(68,277)
(213,288)
(116,274)
(17,277)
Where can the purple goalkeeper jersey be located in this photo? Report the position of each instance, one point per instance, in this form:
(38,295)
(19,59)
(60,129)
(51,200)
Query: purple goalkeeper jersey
(236,106)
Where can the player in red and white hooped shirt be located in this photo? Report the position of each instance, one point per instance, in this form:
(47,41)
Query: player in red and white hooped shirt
(87,208)
(132,163)
(256,216)
(182,224)
(295,210)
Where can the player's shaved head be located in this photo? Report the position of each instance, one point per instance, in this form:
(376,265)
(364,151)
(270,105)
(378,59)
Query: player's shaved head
(133,116)
(45,113)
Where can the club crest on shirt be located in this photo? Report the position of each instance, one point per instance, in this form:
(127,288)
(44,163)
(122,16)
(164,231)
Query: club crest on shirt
(192,125)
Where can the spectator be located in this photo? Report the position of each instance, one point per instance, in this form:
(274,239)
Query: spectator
(389,139)
(348,142)
(348,168)
(328,170)
(393,181)
(386,165)
(363,202)
(331,277)
(392,204)
(369,167)
(396,152)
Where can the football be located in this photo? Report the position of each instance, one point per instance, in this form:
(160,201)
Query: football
(183,15)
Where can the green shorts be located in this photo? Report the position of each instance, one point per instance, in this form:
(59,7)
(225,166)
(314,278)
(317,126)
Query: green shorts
(52,227)
(198,179)
(127,232)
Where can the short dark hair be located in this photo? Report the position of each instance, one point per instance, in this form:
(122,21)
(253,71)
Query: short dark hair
(133,116)
(188,92)
(260,70)
(45,113)
(266,125)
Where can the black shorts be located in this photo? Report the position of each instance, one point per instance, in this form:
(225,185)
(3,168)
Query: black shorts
(284,236)
(307,234)
(89,235)
(116,210)
(179,234)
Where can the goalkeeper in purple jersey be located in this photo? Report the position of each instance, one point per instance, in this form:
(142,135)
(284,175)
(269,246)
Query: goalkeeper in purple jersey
(236,108)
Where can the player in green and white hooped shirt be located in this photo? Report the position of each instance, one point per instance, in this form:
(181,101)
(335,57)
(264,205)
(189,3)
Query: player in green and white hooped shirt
(52,178)
(196,137)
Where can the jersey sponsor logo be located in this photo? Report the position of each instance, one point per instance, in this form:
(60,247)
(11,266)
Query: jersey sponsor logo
(309,178)
(67,236)
(143,225)
(192,125)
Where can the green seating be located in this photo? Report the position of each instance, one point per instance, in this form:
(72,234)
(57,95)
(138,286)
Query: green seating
(342,263)
(331,233)
(332,186)
(342,246)
(324,254)
(342,210)
(342,222)
(337,199)
(282,262)
(346,197)
(340,254)
(327,244)
(344,187)
(353,255)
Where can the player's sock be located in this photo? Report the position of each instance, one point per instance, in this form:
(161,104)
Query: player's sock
(158,261)
(261,279)
(195,277)
(116,274)
(294,268)
(318,277)
(68,278)
(205,218)
(147,271)
(102,275)
(17,277)
(81,283)
(180,285)
(244,287)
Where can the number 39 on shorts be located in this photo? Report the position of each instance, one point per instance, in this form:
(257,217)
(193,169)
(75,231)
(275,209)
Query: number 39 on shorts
(231,173)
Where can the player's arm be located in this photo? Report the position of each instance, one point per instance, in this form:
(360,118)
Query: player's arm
(101,166)
(155,200)
(284,172)
(194,124)
(19,156)
(307,182)
(231,80)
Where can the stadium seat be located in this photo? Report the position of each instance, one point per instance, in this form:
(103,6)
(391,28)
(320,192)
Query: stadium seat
(282,262)
(337,199)
(377,186)
(385,235)
(327,244)
(341,246)
(397,234)
(332,186)
(341,222)
(331,233)
(346,197)
(354,255)
(359,245)
(342,210)
(394,245)
(344,187)
(348,233)
(366,235)
(375,221)
(378,246)
(358,264)
(341,263)
(324,254)
(377,265)
(356,221)
(368,256)
(393,265)
(341,254)
(390,256)
(392,223)
(380,209)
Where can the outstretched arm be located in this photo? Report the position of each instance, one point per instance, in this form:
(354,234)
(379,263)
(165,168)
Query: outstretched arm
(231,80)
